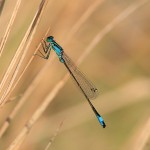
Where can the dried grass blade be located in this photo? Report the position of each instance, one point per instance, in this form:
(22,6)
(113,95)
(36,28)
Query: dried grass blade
(123,15)
(144,137)
(54,136)
(2,2)
(61,83)
(83,19)
(21,101)
(27,40)
(9,26)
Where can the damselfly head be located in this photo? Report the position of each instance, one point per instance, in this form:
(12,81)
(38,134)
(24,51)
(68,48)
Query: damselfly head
(49,39)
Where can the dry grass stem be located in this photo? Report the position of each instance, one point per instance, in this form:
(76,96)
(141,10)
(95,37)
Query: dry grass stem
(38,112)
(26,67)
(28,40)
(14,60)
(143,138)
(122,95)
(83,19)
(2,2)
(12,63)
(108,102)
(22,100)
(123,15)
(61,83)
(9,26)
(54,136)
(18,141)
(9,118)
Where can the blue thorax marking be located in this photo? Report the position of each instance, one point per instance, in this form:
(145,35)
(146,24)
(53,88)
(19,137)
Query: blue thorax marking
(58,49)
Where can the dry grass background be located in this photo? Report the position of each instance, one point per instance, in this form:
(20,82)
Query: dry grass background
(110,39)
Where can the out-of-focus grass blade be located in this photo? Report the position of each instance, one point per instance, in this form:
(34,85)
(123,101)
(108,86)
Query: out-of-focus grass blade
(9,26)
(25,43)
(2,2)
(54,136)
(143,138)
(61,83)
(21,101)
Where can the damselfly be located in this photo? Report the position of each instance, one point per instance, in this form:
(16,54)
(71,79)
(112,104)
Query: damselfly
(86,87)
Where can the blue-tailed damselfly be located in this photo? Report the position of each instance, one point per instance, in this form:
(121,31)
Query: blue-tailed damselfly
(86,87)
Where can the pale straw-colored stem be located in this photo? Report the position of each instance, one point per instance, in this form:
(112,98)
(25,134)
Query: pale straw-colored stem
(54,136)
(61,83)
(9,26)
(24,132)
(32,31)
(22,101)
(143,137)
(24,70)
(123,15)
(108,103)
(83,19)
(14,60)
(2,2)
(74,29)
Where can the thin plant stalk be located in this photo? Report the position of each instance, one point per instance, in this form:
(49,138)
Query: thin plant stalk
(26,129)
(22,100)
(83,19)
(144,136)
(54,136)
(75,28)
(2,2)
(9,26)
(32,31)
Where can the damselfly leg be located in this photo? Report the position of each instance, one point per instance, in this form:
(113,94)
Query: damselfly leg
(46,49)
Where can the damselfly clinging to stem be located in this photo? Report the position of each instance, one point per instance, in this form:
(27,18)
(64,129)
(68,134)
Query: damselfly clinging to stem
(86,87)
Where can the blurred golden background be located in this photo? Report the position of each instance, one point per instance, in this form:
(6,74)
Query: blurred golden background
(111,41)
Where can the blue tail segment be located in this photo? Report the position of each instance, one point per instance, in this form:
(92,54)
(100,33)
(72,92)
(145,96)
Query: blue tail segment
(101,121)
